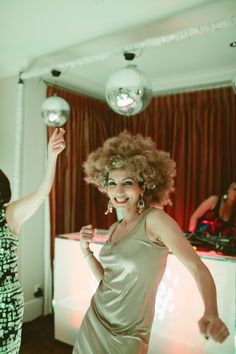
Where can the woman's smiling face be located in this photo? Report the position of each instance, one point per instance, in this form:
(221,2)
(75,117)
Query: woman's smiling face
(123,190)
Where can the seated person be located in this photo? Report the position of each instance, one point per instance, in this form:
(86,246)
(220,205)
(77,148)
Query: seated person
(216,215)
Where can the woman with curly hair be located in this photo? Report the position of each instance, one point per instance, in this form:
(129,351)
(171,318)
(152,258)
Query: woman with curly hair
(138,180)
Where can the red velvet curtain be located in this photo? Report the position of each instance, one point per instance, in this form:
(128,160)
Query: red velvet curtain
(73,203)
(198,129)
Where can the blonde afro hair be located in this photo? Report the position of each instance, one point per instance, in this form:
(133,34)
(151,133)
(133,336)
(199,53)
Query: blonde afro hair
(151,168)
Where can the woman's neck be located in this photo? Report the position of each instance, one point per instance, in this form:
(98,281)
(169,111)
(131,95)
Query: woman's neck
(227,209)
(129,217)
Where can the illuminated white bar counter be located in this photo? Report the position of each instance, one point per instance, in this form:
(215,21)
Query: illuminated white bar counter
(178,302)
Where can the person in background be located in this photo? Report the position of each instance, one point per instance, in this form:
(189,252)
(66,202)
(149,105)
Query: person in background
(12,216)
(216,215)
(135,175)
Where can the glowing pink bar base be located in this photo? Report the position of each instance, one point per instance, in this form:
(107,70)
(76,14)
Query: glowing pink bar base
(178,302)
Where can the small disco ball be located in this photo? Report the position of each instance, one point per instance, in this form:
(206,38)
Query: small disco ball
(128,91)
(55,111)
(234,85)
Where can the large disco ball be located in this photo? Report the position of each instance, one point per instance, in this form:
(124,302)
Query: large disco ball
(128,91)
(55,111)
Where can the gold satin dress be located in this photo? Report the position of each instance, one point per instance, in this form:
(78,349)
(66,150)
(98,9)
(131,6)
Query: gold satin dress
(120,315)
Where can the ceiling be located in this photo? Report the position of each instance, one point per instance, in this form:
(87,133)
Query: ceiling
(181,45)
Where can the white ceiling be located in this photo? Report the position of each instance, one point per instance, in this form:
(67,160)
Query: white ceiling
(86,39)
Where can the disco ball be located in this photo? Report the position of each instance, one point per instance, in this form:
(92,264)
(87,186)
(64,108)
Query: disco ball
(128,91)
(234,84)
(55,111)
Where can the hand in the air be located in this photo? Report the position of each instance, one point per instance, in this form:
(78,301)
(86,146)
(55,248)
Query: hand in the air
(56,142)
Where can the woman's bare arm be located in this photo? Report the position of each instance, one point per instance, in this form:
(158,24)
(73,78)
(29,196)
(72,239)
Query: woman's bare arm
(208,204)
(21,210)
(160,225)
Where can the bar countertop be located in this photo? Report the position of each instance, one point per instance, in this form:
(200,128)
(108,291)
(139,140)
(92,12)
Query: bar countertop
(101,237)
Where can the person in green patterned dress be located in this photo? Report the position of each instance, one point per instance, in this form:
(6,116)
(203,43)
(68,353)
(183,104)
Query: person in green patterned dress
(12,216)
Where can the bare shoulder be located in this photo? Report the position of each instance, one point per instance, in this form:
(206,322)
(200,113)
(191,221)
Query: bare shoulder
(161,227)
(159,216)
(213,199)
(11,217)
(10,210)
(159,223)
(12,207)
(210,202)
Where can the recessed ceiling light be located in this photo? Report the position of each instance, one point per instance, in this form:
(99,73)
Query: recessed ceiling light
(233,44)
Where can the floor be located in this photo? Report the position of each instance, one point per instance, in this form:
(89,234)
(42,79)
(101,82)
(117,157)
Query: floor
(38,338)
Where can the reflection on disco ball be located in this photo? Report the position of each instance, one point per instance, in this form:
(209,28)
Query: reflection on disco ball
(234,85)
(128,91)
(55,111)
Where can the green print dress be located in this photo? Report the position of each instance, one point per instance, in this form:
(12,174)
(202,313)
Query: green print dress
(121,312)
(11,295)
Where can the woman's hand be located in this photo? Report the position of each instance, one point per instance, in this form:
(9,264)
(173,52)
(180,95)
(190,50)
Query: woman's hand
(86,236)
(22,209)
(212,327)
(56,142)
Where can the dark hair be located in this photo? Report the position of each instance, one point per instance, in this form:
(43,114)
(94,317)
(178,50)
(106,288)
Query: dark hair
(5,189)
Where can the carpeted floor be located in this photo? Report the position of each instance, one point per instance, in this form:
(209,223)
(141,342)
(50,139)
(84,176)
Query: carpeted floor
(38,338)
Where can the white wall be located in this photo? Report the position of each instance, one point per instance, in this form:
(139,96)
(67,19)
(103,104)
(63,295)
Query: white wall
(31,248)
(8,93)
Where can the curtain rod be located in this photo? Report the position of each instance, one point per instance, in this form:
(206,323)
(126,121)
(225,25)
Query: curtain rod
(157,93)
(189,89)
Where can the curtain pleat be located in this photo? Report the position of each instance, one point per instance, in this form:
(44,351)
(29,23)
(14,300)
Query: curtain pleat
(197,129)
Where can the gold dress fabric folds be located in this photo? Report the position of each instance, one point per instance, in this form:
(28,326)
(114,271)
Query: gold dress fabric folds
(121,312)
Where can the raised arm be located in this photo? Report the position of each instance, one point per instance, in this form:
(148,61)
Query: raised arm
(162,226)
(208,204)
(21,210)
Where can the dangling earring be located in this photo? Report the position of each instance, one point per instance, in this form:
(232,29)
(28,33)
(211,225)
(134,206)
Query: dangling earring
(140,205)
(109,208)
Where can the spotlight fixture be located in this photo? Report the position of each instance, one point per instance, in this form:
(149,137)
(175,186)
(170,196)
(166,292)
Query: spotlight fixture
(55,73)
(233,44)
(128,90)
(129,56)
